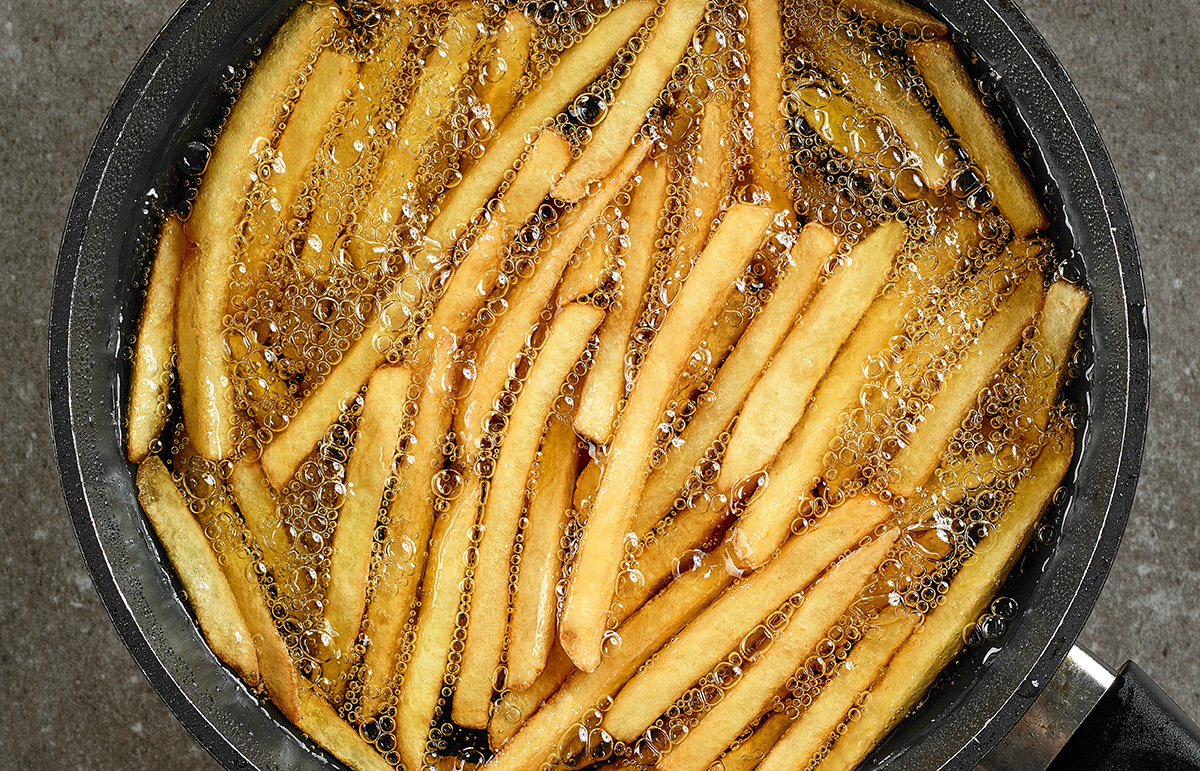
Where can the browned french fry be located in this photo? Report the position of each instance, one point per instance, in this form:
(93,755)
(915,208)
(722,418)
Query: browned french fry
(709,638)
(154,348)
(909,19)
(324,726)
(625,116)
(940,637)
(584,275)
(195,562)
(749,754)
(764,39)
(867,659)
(594,575)
(204,376)
(980,134)
(710,184)
(780,396)
(518,706)
(751,696)
(504,504)
(500,78)
(605,383)
(535,604)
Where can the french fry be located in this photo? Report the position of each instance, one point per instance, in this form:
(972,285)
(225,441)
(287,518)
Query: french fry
(709,638)
(504,504)
(867,659)
(584,275)
(768,156)
(908,18)
(518,706)
(204,376)
(920,452)
(752,695)
(324,726)
(594,576)
(840,123)
(500,78)
(749,754)
(626,114)
(196,564)
(710,184)
(535,604)
(980,134)
(780,396)
(1054,338)
(471,283)
(437,621)
(940,637)
(259,510)
(739,372)
(154,348)
(605,383)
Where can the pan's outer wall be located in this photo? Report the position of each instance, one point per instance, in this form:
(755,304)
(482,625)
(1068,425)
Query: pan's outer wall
(90,320)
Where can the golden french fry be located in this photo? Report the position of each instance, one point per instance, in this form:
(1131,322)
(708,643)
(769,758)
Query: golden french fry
(909,19)
(259,510)
(940,637)
(710,184)
(764,39)
(841,123)
(204,376)
(518,706)
(471,283)
(867,659)
(749,753)
(1054,338)
(324,726)
(752,695)
(983,138)
(584,275)
(780,396)
(625,116)
(535,603)
(504,504)
(501,77)
(154,348)
(594,575)
(196,564)
(709,638)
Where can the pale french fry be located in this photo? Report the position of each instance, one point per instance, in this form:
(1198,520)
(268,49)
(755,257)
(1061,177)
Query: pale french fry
(195,562)
(940,637)
(909,19)
(709,638)
(535,604)
(738,373)
(500,78)
(768,157)
(441,603)
(204,376)
(749,754)
(780,396)
(529,298)
(605,383)
(641,635)
(920,452)
(324,726)
(594,575)
(518,706)
(154,349)
(626,114)
(711,183)
(504,504)
(584,274)
(867,659)
(980,134)
(752,695)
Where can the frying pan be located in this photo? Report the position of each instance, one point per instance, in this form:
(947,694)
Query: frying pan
(134,169)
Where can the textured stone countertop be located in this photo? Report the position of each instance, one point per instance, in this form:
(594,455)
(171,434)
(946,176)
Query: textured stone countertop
(71,696)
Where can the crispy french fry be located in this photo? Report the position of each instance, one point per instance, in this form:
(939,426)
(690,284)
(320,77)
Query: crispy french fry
(738,373)
(980,134)
(1054,338)
(920,452)
(204,376)
(709,638)
(625,116)
(751,696)
(768,158)
(500,78)
(584,275)
(154,349)
(711,182)
(195,562)
(471,283)
(504,504)
(605,383)
(594,576)
(841,123)
(535,604)
(749,754)
(437,621)
(259,510)
(324,726)
(940,638)
(780,396)
(518,706)
(912,21)
(867,659)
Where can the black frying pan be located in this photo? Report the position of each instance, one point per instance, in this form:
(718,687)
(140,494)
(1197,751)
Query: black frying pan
(134,169)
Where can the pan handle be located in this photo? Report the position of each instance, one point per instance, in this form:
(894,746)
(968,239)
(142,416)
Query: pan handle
(1088,717)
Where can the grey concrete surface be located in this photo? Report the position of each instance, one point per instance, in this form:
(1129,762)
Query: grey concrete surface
(70,695)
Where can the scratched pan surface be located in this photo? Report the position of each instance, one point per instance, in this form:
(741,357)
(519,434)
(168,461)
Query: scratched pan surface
(133,167)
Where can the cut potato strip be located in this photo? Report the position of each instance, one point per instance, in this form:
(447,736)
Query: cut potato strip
(910,20)
(594,574)
(204,377)
(501,77)
(518,706)
(585,274)
(749,753)
(780,396)
(504,505)
(260,511)
(194,561)
(324,726)
(1054,340)
(709,638)
(940,637)
(470,284)
(711,183)
(980,134)
(751,696)
(154,347)
(768,126)
(641,87)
